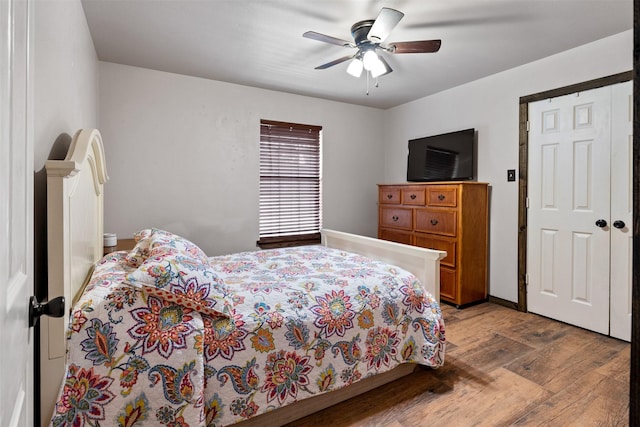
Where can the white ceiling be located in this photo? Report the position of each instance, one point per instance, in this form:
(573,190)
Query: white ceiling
(259,42)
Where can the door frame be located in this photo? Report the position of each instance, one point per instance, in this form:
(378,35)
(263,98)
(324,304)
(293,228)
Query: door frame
(634,374)
(523,141)
(523,165)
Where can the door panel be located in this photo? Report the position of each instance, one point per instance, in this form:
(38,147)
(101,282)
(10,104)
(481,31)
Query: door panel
(16,215)
(568,255)
(599,118)
(621,210)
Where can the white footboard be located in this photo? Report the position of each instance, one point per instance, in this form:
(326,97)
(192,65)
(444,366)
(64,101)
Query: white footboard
(423,263)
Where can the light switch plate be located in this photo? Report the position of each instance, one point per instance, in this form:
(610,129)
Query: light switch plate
(511,174)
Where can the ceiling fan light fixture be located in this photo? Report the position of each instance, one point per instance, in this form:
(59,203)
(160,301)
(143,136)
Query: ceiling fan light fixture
(355,67)
(379,69)
(370,60)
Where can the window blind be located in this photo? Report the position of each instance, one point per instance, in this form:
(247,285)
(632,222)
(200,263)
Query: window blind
(290,180)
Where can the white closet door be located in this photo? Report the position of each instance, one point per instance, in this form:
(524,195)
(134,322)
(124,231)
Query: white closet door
(568,243)
(16,217)
(621,209)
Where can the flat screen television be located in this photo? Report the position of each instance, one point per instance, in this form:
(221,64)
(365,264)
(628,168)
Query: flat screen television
(445,157)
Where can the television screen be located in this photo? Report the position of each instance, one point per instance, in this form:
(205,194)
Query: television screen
(445,157)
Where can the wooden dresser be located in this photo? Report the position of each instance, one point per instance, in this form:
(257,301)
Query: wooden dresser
(448,216)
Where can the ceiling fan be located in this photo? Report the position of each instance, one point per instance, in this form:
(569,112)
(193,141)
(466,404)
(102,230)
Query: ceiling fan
(368,37)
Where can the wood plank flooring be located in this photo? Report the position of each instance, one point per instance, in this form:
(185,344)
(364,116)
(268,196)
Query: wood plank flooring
(502,368)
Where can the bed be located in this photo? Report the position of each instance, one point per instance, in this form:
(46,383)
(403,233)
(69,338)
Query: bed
(167,335)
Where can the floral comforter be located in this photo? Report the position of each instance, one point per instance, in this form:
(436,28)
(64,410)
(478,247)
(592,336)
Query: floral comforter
(299,322)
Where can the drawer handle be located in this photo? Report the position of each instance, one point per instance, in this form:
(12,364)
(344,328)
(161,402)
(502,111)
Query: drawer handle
(395,218)
(434,222)
(440,196)
(413,196)
(389,196)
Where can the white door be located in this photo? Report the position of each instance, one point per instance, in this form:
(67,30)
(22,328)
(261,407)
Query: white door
(568,181)
(621,209)
(578,262)
(16,211)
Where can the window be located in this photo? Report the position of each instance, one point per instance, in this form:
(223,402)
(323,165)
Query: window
(290,184)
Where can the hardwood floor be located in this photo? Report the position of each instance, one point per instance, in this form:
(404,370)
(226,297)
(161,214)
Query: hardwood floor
(503,368)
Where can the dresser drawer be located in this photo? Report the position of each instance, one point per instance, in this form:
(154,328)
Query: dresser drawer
(396,236)
(413,196)
(447,245)
(442,195)
(396,217)
(436,221)
(389,195)
(448,288)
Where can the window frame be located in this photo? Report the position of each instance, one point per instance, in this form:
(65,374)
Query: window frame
(274,173)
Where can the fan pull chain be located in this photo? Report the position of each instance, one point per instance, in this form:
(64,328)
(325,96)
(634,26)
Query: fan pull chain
(367,83)
(376,84)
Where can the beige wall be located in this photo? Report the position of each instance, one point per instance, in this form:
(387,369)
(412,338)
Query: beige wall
(183,155)
(64,66)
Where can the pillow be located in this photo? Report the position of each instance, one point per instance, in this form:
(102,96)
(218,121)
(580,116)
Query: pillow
(153,242)
(140,251)
(176,270)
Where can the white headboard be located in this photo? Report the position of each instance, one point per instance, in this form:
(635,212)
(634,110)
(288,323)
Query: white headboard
(74,243)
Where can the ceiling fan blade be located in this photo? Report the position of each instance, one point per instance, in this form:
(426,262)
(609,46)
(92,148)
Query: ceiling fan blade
(327,39)
(385,22)
(334,62)
(422,46)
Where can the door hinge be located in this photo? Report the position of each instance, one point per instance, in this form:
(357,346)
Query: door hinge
(526,279)
(526,202)
(528,125)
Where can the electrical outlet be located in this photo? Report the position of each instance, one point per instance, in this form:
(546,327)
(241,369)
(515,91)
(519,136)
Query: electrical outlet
(511,174)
